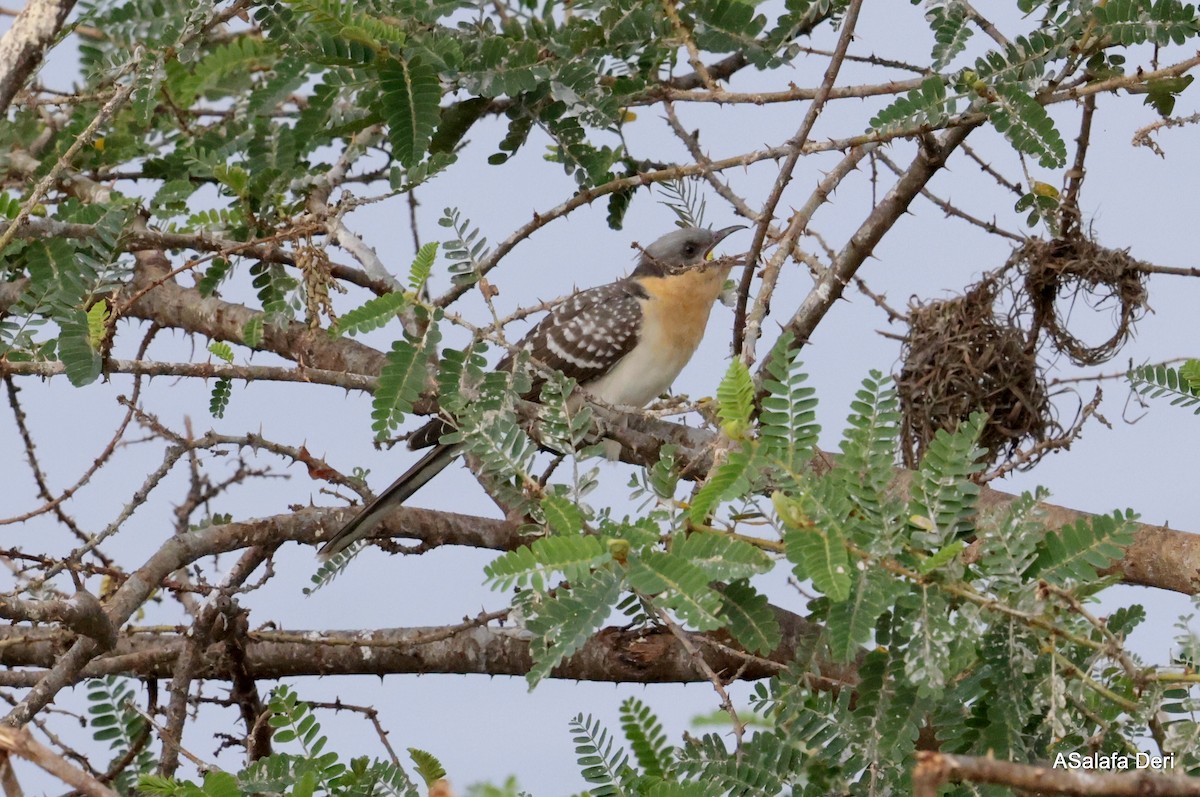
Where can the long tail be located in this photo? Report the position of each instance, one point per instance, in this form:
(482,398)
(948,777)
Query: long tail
(413,479)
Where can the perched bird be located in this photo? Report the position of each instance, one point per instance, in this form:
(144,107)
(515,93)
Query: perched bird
(623,343)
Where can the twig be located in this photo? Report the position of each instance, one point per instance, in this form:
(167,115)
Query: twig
(948,208)
(1142,137)
(689,43)
(1070,218)
(20,742)
(739,727)
(39,191)
(796,144)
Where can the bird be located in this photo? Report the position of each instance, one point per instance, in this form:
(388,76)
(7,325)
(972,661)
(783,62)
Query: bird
(623,343)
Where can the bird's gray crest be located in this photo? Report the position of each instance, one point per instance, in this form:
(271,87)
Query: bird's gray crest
(685,246)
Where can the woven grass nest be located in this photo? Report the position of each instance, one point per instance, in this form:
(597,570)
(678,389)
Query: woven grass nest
(960,358)
(961,355)
(1076,269)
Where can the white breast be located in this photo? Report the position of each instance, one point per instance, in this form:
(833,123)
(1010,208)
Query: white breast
(641,375)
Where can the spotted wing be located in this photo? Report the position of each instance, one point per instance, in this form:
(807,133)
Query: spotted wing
(586,335)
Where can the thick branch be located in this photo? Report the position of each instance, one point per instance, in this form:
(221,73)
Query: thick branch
(929,161)
(26,42)
(20,742)
(935,769)
(614,654)
(81,613)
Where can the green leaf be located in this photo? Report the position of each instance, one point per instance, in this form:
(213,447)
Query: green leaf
(787,424)
(411,93)
(159,785)
(1027,126)
(761,768)
(849,624)
(1078,551)
(221,350)
(750,618)
(1129,22)
(927,105)
(422,267)
(815,541)
(566,620)
(930,634)
(943,496)
(735,400)
(729,479)
(868,447)
(684,585)
(562,515)
(403,379)
(371,315)
(535,565)
(219,400)
(1181,384)
(252,331)
(221,784)
(885,721)
(606,769)
(951,32)
(428,767)
(722,557)
(645,734)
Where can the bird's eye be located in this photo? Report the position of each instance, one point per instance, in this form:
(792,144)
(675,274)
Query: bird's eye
(689,250)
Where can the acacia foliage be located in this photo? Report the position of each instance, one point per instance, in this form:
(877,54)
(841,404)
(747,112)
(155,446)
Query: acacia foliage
(965,625)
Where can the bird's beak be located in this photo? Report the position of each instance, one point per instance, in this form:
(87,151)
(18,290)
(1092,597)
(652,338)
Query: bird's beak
(719,236)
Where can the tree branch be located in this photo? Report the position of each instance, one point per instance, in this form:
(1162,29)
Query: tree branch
(24,45)
(934,769)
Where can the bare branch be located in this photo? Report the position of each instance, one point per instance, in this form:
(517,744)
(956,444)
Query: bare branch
(24,45)
(20,742)
(934,769)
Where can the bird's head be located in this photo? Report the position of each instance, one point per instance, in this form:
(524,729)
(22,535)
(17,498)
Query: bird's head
(685,249)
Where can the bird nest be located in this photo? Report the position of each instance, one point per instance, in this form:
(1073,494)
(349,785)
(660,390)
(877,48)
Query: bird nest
(960,358)
(1074,269)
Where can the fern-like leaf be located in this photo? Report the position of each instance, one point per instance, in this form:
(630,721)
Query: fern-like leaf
(568,619)
(1129,22)
(943,497)
(411,93)
(537,564)
(951,32)
(735,400)
(928,105)
(219,400)
(645,734)
(788,422)
(761,768)
(402,380)
(729,479)
(1027,126)
(371,315)
(850,623)
(721,557)
(1078,551)
(815,539)
(428,767)
(605,768)
(684,584)
(750,618)
(1181,384)
(422,267)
